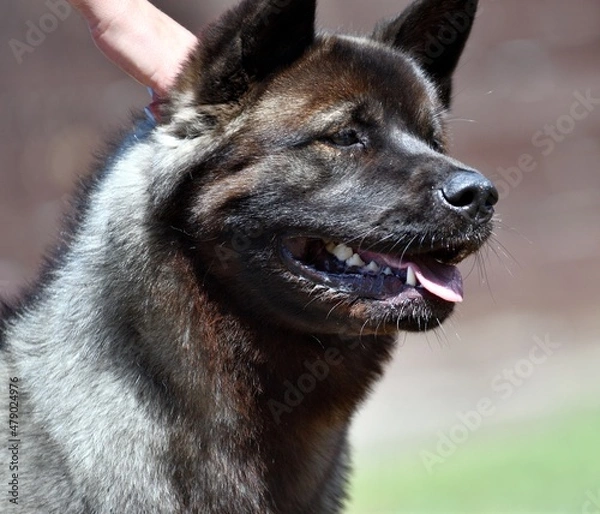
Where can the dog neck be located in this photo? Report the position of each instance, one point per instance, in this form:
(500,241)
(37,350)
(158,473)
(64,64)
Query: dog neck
(256,410)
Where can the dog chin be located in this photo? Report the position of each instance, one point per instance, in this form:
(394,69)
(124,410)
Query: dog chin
(411,315)
(350,316)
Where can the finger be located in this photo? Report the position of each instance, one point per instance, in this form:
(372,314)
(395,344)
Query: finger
(96,11)
(146,43)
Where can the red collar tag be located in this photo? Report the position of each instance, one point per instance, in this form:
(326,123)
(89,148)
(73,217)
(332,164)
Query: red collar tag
(153,109)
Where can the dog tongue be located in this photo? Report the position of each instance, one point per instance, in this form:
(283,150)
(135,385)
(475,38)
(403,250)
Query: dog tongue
(442,280)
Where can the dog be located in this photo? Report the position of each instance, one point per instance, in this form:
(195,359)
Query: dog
(238,270)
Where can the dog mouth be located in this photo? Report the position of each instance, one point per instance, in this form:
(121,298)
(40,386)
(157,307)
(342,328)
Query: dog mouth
(372,275)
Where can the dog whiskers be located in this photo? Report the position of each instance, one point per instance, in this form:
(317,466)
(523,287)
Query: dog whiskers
(333,308)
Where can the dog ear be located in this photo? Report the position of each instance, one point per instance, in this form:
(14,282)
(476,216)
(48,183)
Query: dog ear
(434,32)
(247,44)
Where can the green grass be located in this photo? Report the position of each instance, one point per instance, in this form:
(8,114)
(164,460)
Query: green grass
(542,467)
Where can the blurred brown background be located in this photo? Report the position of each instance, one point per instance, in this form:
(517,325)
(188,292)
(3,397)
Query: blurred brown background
(527,64)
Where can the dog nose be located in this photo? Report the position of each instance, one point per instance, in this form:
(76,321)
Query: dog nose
(472,194)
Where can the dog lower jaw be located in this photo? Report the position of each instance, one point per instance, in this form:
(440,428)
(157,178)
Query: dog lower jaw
(387,319)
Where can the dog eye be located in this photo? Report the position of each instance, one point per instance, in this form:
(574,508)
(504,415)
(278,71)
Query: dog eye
(345,137)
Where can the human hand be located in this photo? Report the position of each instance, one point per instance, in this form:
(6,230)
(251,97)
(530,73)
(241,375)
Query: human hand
(142,40)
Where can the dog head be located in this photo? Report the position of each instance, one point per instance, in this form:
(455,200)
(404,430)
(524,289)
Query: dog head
(310,174)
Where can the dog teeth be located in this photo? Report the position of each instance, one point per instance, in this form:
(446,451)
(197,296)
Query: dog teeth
(355,260)
(411,278)
(341,252)
(347,255)
(373,267)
